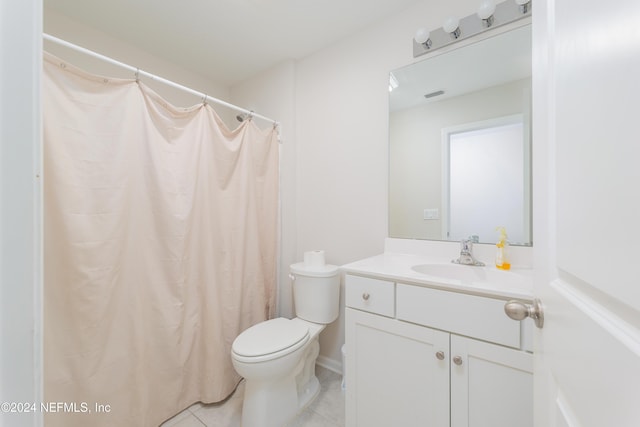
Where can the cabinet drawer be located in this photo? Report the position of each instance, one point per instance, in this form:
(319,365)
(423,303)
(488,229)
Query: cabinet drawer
(469,315)
(372,295)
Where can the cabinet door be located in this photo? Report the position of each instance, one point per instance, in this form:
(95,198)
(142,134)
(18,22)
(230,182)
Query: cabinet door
(492,386)
(393,374)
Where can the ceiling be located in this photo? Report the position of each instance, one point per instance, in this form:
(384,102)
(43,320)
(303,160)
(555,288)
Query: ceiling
(228,40)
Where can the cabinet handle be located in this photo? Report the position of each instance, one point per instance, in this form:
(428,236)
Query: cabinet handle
(440,355)
(457,360)
(365,296)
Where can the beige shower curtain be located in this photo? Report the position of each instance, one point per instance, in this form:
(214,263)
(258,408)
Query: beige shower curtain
(160,248)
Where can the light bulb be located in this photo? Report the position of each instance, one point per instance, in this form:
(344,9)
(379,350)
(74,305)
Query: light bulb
(486,9)
(422,36)
(451,24)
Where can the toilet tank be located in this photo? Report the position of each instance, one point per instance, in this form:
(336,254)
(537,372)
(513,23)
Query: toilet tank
(316,292)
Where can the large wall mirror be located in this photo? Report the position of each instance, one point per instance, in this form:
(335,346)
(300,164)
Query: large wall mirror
(460,142)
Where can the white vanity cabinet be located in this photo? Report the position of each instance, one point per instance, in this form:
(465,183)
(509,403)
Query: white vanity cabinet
(418,356)
(393,375)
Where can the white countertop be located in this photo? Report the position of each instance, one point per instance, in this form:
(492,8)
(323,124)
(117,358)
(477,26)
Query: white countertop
(515,283)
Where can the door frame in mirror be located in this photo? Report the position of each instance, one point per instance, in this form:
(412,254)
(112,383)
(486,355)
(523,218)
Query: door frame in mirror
(522,235)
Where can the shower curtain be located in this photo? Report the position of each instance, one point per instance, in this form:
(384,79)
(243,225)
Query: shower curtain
(160,248)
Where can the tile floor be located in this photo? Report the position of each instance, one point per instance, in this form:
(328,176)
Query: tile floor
(327,410)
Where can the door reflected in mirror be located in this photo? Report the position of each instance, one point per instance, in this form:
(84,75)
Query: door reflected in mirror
(484,165)
(460,160)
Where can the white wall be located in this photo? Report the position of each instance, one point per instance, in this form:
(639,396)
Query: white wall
(67,29)
(342,137)
(20,213)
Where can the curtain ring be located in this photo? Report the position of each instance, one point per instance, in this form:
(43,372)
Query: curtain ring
(137,75)
(204,99)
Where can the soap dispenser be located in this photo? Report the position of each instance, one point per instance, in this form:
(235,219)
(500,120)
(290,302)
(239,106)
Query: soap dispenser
(502,250)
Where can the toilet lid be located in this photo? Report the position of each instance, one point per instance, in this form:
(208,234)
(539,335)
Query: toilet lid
(269,337)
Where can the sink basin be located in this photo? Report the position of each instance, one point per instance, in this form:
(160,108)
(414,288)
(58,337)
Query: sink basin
(469,274)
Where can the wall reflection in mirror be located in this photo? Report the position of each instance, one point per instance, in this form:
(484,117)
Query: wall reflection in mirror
(460,142)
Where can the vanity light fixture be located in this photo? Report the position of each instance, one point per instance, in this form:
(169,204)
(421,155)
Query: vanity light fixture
(524,5)
(452,26)
(491,14)
(422,37)
(485,12)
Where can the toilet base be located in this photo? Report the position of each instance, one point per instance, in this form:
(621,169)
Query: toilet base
(275,406)
(309,393)
(268,406)
(275,402)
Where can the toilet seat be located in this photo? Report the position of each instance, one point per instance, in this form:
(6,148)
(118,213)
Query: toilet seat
(269,340)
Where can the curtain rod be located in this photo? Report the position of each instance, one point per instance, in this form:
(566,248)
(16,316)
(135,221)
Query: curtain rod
(139,72)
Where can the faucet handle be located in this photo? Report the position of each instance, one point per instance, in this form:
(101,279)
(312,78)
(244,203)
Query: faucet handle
(466,245)
(466,252)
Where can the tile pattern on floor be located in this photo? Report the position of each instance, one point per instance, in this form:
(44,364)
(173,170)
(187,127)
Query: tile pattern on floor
(327,410)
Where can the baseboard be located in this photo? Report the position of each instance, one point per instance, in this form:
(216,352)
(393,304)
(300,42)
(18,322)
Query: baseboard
(330,364)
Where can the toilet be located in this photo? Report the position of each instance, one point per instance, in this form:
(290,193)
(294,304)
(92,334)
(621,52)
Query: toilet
(277,357)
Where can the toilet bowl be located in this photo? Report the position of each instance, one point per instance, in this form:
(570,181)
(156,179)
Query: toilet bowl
(277,357)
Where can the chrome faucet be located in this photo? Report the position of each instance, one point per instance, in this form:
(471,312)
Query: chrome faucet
(466,253)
